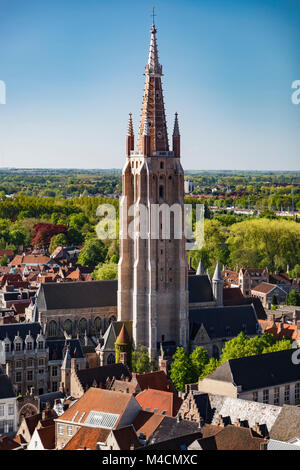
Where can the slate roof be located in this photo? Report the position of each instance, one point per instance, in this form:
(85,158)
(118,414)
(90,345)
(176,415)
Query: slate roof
(173,435)
(221,322)
(56,349)
(199,289)
(6,388)
(13,329)
(210,406)
(287,424)
(113,332)
(75,295)
(100,374)
(260,371)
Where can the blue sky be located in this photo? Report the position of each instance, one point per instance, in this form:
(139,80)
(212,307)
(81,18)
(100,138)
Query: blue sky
(74,69)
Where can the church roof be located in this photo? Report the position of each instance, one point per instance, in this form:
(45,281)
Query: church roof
(74,295)
(220,322)
(200,289)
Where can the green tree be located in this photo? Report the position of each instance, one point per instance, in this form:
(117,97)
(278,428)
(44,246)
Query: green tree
(199,358)
(93,252)
(17,237)
(293,298)
(295,272)
(140,361)
(4,260)
(212,365)
(58,240)
(182,369)
(106,271)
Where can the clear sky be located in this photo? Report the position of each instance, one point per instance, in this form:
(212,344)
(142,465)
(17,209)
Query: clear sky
(74,69)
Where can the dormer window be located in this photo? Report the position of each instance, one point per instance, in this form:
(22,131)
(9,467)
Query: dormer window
(40,344)
(29,346)
(18,346)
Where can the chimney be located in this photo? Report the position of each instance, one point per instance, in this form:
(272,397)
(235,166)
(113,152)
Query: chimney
(256,428)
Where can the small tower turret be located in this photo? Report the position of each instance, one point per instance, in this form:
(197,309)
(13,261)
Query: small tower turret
(217,285)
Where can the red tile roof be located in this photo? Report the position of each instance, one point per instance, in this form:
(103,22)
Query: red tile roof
(97,399)
(156,380)
(279,329)
(159,401)
(47,436)
(146,423)
(87,438)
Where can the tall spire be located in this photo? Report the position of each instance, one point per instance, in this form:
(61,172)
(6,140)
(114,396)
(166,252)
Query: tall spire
(153,103)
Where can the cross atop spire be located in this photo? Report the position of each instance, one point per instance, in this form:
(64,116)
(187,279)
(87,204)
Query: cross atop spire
(153,15)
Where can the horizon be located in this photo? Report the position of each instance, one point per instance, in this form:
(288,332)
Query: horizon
(72,78)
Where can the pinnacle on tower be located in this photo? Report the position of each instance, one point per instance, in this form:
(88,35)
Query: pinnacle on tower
(67,360)
(200,269)
(130,126)
(217,274)
(129,137)
(176,132)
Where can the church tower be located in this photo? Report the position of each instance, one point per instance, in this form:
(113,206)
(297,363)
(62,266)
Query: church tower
(152,289)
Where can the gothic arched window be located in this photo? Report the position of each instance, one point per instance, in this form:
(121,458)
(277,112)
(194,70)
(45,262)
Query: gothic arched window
(110,359)
(98,324)
(52,328)
(83,325)
(68,326)
(111,319)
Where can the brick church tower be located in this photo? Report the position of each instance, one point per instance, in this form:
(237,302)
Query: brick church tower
(152,286)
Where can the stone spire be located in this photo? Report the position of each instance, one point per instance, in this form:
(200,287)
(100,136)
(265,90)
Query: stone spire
(200,269)
(153,102)
(217,274)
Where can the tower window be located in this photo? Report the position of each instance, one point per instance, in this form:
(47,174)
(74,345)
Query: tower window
(161,192)
(161,165)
